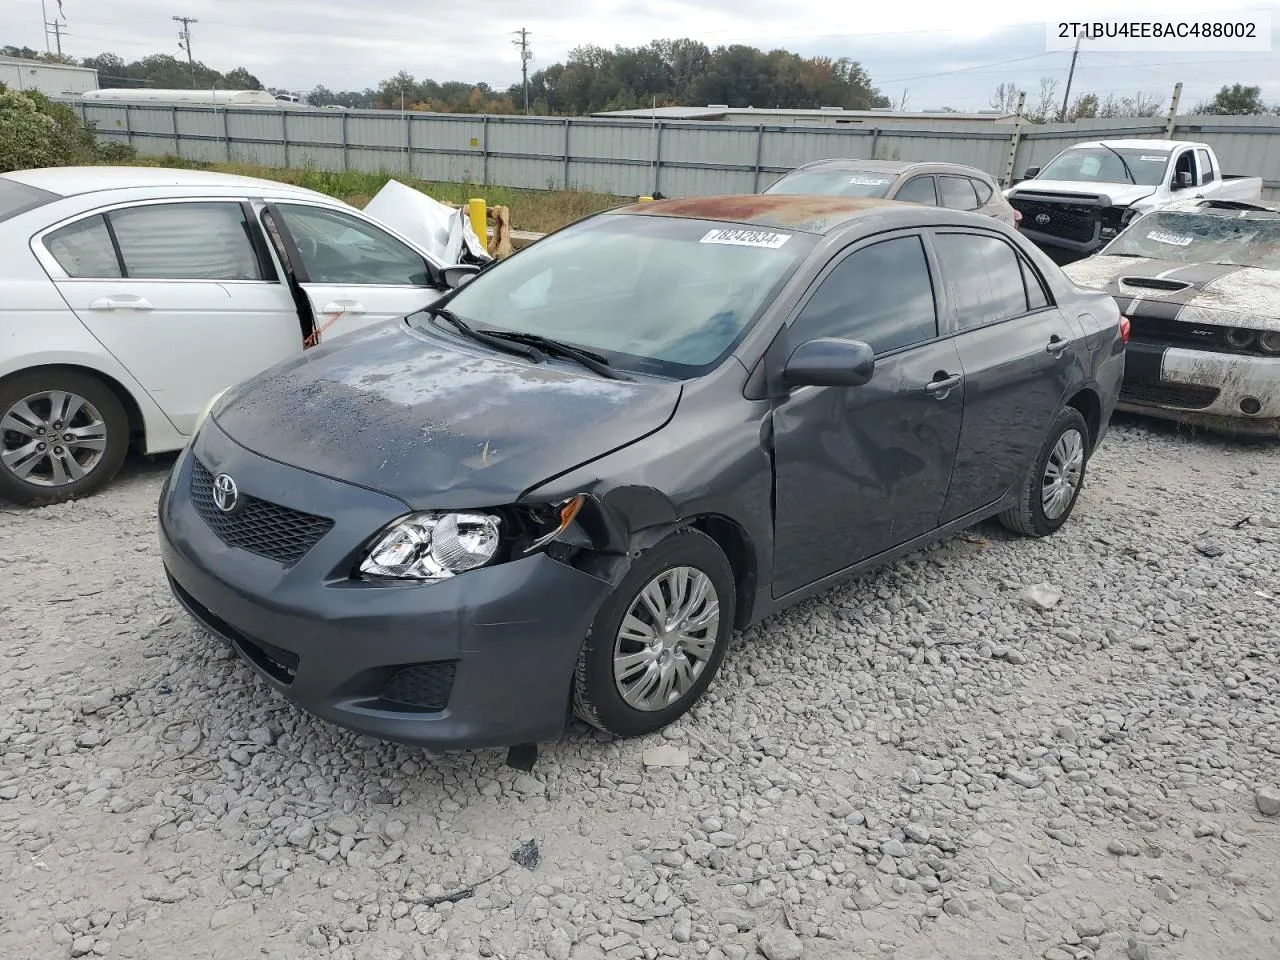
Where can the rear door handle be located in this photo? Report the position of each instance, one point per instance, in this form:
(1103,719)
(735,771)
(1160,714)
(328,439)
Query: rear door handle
(343,306)
(121,303)
(1056,345)
(940,387)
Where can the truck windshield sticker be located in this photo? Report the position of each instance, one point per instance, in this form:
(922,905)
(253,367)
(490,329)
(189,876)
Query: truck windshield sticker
(746,238)
(1172,239)
(1153,159)
(866,181)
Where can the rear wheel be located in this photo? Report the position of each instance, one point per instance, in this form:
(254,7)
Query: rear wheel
(63,434)
(1053,484)
(659,638)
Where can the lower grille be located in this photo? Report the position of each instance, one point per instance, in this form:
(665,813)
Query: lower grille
(1187,396)
(258,526)
(279,664)
(1066,222)
(424,686)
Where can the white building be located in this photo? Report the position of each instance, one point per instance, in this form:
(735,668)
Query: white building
(51,79)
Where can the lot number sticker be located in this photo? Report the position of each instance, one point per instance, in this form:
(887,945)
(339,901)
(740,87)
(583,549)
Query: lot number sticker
(1172,239)
(869,181)
(746,238)
(1153,159)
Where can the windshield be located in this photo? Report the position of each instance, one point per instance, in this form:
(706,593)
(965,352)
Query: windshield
(649,293)
(835,183)
(1100,165)
(1248,241)
(16,198)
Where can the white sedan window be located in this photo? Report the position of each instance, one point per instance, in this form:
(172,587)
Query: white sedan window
(83,249)
(186,241)
(336,248)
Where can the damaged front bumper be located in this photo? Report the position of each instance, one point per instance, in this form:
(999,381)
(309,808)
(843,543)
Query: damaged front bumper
(1222,392)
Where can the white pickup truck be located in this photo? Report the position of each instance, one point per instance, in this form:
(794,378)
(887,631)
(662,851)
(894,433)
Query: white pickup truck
(1083,197)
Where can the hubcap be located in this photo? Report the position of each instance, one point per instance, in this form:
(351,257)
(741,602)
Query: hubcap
(1062,474)
(666,638)
(52,439)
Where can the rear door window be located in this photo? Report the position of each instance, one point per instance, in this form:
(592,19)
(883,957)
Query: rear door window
(186,241)
(957,193)
(985,276)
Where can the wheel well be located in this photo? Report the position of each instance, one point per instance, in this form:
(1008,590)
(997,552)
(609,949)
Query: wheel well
(735,543)
(137,426)
(1090,407)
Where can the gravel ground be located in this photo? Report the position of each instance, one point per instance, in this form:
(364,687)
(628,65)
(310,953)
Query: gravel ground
(924,763)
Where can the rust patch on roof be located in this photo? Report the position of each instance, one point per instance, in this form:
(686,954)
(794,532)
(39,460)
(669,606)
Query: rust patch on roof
(812,214)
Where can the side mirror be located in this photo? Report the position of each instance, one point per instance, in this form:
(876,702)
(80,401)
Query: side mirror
(1183,180)
(828,362)
(1030,173)
(458,274)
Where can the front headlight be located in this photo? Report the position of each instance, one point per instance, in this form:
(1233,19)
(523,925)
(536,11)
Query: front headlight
(432,546)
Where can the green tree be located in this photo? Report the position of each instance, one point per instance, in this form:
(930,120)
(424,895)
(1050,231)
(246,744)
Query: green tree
(41,133)
(1237,100)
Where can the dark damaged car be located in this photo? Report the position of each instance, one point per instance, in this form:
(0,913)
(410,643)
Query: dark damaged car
(1200,284)
(561,489)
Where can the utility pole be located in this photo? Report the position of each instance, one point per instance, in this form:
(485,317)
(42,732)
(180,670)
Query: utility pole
(57,32)
(184,43)
(53,25)
(1070,74)
(525,57)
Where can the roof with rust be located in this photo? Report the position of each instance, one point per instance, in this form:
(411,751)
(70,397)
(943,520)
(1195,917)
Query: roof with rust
(809,214)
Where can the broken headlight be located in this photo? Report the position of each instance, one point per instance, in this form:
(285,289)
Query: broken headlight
(432,546)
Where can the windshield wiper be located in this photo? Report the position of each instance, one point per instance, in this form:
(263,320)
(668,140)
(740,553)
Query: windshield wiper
(1125,163)
(592,361)
(498,343)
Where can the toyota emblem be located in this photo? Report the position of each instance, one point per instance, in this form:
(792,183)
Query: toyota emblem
(225,493)
(1042,218)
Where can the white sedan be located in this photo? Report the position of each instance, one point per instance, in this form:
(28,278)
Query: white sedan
(131,296)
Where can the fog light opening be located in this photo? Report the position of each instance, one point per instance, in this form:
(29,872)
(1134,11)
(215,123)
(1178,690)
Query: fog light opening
(1250,406)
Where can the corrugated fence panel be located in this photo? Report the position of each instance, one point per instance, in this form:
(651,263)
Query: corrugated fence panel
(629,157)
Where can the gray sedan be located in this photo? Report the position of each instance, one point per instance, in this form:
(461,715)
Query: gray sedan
(561,488)
(949,185)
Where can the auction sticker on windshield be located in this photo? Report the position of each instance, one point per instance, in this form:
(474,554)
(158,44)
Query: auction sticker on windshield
(1173,239)
(869,181)
(1153,159)
(746,238)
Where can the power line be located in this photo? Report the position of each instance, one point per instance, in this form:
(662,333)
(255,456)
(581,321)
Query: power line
(525,56)
(184,43)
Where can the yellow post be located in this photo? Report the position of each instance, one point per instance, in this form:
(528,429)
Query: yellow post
(646,199)
(479,219)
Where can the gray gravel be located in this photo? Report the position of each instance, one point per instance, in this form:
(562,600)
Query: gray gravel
(1065,749)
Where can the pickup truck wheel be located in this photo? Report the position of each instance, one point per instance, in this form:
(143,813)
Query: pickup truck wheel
(658,639)
(63,435)
(1053,484)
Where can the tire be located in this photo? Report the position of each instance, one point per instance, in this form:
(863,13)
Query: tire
(27,400)
(1030,517)
(597,697)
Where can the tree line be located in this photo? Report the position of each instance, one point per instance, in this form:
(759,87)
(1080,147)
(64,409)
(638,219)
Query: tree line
(1047,104)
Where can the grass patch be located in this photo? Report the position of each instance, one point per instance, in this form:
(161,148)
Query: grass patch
(538,211)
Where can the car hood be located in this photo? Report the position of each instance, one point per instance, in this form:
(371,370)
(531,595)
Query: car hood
(435,424)
(1210,293)
(1120,194)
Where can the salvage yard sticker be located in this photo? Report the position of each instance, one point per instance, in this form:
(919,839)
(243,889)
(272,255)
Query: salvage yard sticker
(869,181)
(1153,159)
(746,238)
(1173,239)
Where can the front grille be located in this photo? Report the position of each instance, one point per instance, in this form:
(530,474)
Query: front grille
(423,686)
(267,529)
(1070,223)
(1187,396)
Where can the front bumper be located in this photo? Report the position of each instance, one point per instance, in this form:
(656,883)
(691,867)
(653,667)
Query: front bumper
(1203,388)
(484,659)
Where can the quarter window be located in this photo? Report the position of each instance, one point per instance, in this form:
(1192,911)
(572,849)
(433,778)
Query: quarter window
(983,190)
(186,241)
(337,248)
(1206,166)
(83,249)
(986,278)
(881,294)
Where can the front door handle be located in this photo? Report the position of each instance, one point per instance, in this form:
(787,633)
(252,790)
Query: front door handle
(940,386)
(1056,345)
(121,303)
(343,306)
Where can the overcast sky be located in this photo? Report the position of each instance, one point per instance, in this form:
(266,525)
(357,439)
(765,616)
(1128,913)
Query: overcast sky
(939,53)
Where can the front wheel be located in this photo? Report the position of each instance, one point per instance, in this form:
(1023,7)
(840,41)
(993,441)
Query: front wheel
(1053,484)
(658,639)
(63,434)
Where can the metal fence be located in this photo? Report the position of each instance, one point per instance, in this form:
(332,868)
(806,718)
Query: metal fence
(628,157)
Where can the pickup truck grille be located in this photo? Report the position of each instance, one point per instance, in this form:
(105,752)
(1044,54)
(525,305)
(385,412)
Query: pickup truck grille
(1066,221)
